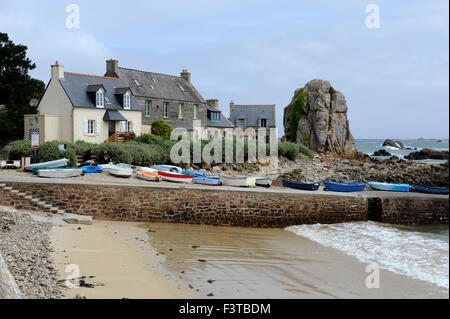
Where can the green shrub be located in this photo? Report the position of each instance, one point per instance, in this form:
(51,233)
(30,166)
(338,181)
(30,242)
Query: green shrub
(305,150)
(297,112)
(150,139)
(305,139)
(288,150)
(162,129)
(49,151)
(19,149)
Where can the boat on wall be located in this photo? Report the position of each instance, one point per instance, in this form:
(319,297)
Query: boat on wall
(148,176)
(175,177)
(107,167)
(299,185)
(57,163)
(10,164)
(263,181)
(146,169)
(92,169)
(35,170)
(195,173)
(344,187)
(60,172)
(168,168)
(430,190)
(207,180)
(238,181)
(390,187)
(118,171)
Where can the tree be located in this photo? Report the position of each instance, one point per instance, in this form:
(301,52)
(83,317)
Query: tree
(17,88)
(161,128)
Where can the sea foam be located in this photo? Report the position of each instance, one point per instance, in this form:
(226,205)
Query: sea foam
(405,252)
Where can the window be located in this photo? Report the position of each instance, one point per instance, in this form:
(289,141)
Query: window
(91,126)
(263,123)
(195,111)
(137,82)
(148,108)
(129,126)
(100,98)
(181,111)
(166,110)
(181,87)
(241,123)
(215,116)
(126,101)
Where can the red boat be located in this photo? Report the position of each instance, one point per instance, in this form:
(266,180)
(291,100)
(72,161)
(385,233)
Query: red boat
(175,177)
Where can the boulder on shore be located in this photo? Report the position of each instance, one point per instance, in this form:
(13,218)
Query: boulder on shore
(427,154)
(317,118)
(392,143)
(381,153)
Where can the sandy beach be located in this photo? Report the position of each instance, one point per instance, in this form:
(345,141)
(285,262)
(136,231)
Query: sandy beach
(138,260)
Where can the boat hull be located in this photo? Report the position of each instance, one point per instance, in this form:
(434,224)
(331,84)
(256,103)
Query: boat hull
(148,176)
(302,186)
(344,187)
(167,168)
(175,177)
(57,163)
(121,172)
(35,170)
(10,164)
(146,169)
(389,187)
(238,181)
(207,180)
(195,173)
(60,173)
(430,190)
(92,169)
(264,182)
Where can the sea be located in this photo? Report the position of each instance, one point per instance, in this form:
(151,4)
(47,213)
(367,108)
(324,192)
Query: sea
(420,252)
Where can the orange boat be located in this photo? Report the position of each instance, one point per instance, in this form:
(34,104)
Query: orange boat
(153,177)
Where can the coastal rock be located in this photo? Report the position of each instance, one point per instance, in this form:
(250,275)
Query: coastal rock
(381,153)
(317,118)
(427,154)
(392,143)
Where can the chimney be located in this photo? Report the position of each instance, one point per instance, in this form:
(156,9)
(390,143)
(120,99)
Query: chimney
(112,68)
(186,75)
(57,71)
(214,103)
(231,108)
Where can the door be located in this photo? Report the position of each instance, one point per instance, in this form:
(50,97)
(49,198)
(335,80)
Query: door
(111,128)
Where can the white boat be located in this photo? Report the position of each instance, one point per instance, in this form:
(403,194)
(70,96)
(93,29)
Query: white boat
(168,168)
(207,180)
(60,173)
(10,164)
(57,163)
(263,181)
(107,167)
(146,169)
(238,181)
(121,171)
(175,177)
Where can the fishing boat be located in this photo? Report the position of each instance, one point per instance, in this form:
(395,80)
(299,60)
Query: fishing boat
(263,181)
(430,190)
(148,176)
(207,180)
(299,185)
(92,169)
(57,163)
(37,169)
(175,177)
(238,181)
(120,171)
(344,187)
(195,173)
(107,167)
(10,164)
(390,187)
(168,168)
(146,169)
(60,173)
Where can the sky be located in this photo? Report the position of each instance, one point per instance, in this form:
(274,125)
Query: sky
(395,77)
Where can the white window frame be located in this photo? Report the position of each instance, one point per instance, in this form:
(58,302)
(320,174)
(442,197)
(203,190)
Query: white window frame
(243,123)
(91,128)
(100,98)
(195,111)
(148,108)
(181,111)
(260,123)
(129,126)
(127,100)
(165,110)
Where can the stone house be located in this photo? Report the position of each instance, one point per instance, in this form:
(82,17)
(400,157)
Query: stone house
(83,107)
(254,116)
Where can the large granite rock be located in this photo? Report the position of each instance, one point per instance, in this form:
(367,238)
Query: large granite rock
(317,118)
(392,143)
(427,154)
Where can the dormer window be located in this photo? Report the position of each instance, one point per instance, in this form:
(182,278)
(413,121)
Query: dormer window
(127,100)
(263,123)
(100,98)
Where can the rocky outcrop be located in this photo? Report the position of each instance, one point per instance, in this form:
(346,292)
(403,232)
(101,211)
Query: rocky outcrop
(428,154)
(392,143)
(317,118)
(381,153)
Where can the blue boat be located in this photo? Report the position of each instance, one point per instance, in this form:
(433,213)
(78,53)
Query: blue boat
(207,180)
(168,168)
(299,185)
(390,187)
(344,187)
(195,173)
(92,169)
(430,190)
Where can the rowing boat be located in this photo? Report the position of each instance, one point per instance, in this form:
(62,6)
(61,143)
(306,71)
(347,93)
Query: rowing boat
(168,168)
(10,164)
(390,187)
(238,181)
(175,177)
(92,169)
(57,163)
(148,176)
(207,180)
(121,171)
(344,187)
(195,173)
(36,169)
(263,181)
(430,190)
(60,173)
(146,169)
(299,185)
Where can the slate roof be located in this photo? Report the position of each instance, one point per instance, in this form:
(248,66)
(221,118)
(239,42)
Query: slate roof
(223,122)
(252,113)
(81,88)
(111,115)
(162,86)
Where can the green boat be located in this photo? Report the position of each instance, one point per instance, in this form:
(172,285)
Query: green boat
(36,169)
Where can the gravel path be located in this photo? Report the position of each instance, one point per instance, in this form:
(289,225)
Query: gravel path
(25,246)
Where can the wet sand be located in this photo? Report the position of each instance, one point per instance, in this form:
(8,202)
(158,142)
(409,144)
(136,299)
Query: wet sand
(233,262)
(120,258)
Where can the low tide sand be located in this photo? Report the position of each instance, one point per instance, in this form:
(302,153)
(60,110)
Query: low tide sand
(154,260)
